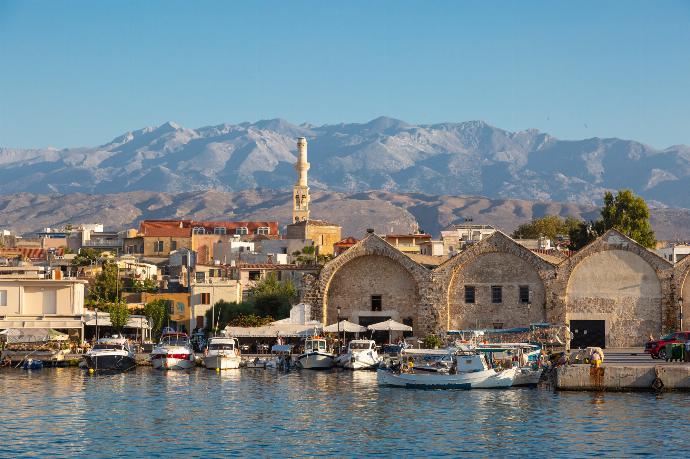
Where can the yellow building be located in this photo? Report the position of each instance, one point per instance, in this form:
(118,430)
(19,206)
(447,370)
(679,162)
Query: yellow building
(324,234)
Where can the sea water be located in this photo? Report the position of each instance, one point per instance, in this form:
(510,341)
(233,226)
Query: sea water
(65,412)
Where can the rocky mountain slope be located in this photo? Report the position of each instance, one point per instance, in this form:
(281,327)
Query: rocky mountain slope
(383,210)
(471,158)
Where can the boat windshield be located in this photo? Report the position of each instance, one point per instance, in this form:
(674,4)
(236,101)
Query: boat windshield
(175,340)
(315,345)
(107,346)
(221,347)
(359,346)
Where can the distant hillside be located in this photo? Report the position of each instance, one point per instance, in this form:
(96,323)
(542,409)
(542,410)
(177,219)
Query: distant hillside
(385,211)
(470,158)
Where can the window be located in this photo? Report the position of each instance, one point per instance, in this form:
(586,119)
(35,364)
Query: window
(205,298)
(158,246)
(241,230)
(263,230)
(173,245)
(198,230)
(254,275)
(220,230)
(200,277)
(469,294)
(376,302)
(524,294)
(3,297)
(171,306)
(408,321)
(496,294)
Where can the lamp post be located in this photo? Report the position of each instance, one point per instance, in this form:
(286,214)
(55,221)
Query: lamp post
(96,324)
(680,313)
(338,310)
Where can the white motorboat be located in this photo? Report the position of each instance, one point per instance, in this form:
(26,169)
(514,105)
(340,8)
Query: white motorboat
(281,357)
(469,371)
(361,355)
(222,354)
(173,352)
(316,355)
(110,354)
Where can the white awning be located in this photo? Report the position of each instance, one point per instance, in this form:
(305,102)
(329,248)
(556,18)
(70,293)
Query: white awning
(57,323)
(344,326)
(389,325)
(271,331)
(104,320)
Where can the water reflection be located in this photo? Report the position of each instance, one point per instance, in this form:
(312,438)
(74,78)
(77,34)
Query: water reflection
(66,412)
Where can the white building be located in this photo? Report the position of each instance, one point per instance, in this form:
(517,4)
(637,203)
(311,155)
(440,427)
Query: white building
(42,303)
(456,237)
(674,253)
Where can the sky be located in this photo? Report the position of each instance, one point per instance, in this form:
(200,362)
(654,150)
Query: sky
(78,73)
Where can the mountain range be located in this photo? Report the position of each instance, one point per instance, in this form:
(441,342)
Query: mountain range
(447,159)
(385,211)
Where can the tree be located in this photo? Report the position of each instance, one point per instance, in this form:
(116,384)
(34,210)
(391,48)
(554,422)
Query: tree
(85,257)
(550,227)
(147,285)
(272,297)
(250,320)
(583,234)
(119,315)
(223,313)
(158,313)
(628,214)
(107,287)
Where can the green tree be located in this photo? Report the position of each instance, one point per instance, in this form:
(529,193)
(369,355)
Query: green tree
(250,320)
(107,286)
(550,226)
(147,285)
(119,315)
(158,313)
(223,313)
(628,214)
(85,257)
(272,297)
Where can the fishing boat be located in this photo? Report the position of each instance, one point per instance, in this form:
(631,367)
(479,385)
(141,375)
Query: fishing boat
(222,354)
(173,352)
(316,355)
(469,370)
(523,356)
(281,357)
(361,355)
(110,354)
(31,364)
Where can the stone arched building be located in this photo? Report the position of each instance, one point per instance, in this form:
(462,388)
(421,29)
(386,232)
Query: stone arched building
(495,283)
(681,287)
(371,282)
(613,292)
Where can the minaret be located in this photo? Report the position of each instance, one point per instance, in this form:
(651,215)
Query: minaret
(300,195)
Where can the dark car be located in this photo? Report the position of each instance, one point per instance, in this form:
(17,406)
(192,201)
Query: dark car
(657,348)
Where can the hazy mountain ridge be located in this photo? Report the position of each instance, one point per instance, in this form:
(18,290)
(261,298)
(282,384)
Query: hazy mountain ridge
(470,158)
(383,210)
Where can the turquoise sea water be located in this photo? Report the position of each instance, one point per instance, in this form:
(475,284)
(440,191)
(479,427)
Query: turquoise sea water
(65,412)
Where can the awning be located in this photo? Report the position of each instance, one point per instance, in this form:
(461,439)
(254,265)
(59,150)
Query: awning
(389,325)
(104,320)
(34,335)
(344,326)
(56,323)
(271,331)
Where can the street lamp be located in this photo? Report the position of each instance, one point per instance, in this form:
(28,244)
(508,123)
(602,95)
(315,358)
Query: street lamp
(340,345)
(96,324)
(680,313)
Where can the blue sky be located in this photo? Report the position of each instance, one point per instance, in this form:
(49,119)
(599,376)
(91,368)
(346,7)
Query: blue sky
(80,73)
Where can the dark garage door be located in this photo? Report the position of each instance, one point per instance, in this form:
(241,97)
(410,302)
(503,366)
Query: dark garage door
(588,333)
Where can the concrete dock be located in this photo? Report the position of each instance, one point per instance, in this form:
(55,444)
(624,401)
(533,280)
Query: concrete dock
(624,377)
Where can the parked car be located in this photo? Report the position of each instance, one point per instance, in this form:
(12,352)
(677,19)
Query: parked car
(657,348)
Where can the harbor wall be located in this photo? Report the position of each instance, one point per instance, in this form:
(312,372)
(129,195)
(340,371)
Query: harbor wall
(621,377)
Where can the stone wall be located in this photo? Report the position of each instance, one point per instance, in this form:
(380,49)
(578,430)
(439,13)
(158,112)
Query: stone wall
(681,287)
(496,269)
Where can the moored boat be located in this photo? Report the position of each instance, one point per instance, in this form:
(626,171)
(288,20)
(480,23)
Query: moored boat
(361,355)
(316,355)
(469,370)
(222,354)
(173,352)
(523,356)
(110,354)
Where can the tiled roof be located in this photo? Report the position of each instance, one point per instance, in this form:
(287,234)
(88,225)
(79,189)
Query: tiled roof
(31,253)
(347,241)
(268,266)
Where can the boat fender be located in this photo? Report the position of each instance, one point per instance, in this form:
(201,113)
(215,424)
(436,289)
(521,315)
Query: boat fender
(657,384)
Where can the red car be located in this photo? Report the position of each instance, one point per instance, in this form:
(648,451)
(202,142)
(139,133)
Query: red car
(657,348)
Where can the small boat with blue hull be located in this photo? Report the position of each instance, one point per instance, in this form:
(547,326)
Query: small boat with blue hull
(469,370)
(31,364)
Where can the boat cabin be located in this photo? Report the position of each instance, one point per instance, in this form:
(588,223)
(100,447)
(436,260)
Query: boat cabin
(361,345)
(314,345)
(175,339)
(222,344)
(469,363)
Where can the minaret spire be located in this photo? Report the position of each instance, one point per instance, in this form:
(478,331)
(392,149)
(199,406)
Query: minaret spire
(300,207)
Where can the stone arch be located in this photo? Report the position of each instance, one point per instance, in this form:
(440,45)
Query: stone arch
(501,262)
(373,267)
(616,280)
(681,277)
